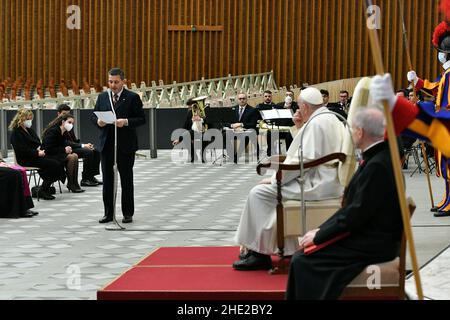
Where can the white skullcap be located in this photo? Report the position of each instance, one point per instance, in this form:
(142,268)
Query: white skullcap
(312,96)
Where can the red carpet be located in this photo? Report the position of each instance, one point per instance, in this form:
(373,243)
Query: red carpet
(194,273)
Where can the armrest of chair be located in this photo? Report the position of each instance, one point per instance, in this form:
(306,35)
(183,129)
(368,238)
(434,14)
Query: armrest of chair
(279,166)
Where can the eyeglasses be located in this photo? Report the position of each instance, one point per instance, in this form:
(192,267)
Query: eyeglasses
(242,98)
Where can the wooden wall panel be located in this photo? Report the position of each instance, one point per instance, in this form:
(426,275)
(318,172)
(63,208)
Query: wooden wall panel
(309,41)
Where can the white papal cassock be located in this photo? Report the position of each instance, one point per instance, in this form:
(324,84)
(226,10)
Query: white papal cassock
(323,135)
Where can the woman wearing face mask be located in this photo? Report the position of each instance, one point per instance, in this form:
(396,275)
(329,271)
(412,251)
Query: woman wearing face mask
(29,152)
(57,147)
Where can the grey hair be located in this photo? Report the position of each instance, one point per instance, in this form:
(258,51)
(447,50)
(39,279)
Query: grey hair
(372,121)
(117,72)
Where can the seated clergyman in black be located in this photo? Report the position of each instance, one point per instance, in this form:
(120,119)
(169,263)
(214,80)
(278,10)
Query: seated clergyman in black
(370,220)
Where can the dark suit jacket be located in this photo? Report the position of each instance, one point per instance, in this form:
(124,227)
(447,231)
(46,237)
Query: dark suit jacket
(25,144)
(54,142)
(249,117)
(128,107)
(71,138)
(337,108)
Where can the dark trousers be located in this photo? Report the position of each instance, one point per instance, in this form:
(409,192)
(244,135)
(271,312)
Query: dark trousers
(91,162)
(244,141)
(125,164)
(275,144)
(51,170)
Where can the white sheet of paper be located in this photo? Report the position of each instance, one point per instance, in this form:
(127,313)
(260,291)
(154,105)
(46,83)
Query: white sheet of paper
(269,114)
(285,114)
(106,116)
(276,114)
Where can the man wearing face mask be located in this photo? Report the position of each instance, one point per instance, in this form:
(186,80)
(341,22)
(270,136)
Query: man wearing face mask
(289,104)
(440,89)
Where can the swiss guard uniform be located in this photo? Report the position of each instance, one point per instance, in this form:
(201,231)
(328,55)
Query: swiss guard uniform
(441,90)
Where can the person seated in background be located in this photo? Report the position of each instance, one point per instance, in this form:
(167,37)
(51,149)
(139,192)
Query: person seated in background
(15,196)
(245,118)
(245,115)
(323,135)
(267,105)
(371,229)
(29,152)
(87,152)
(58,148)
(334,107)
(344,101)
(195,126)
(289,104)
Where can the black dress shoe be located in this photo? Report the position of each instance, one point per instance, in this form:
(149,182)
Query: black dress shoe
(94,179)
(34,213)
(105,219)
(255,261)
(244,255)
(441,214)
(45,195)
(52,191)
(434,209)
(127,220)
(88,183)
(26,214)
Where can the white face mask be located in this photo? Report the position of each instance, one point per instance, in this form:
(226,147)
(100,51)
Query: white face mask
(68,126)
(442,57)
(288,100)
(28,124)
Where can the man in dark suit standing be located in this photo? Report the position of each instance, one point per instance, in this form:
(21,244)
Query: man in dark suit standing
(127,106)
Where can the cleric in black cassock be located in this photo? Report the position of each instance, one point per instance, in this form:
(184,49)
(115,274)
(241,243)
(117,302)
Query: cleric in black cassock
(370,213)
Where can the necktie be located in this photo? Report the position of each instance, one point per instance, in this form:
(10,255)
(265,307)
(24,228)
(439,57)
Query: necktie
(115,99)
(241,112)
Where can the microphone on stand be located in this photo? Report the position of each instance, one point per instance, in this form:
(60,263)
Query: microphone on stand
(115,169)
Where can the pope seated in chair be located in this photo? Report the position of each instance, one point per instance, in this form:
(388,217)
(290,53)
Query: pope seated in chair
(320,136)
